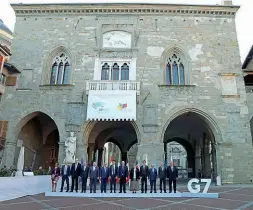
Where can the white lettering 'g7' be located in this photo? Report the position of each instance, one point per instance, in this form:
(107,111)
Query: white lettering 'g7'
(197,186)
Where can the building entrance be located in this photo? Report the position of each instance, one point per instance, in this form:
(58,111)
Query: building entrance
(39,135)
(193,133)
(108,140)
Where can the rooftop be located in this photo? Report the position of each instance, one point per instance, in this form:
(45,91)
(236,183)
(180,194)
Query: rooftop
(133,8)
(248,58)
(4,27)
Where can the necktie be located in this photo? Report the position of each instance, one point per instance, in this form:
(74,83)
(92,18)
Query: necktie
(113,170)
(105,169)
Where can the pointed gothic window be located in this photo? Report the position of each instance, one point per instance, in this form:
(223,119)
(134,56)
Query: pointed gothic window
(115,72)
(60,70)
(125,72)
(105,72)
(175,74)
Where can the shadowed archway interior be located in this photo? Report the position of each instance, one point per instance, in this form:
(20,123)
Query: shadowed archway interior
(39,136)
(121,134)
(192,131)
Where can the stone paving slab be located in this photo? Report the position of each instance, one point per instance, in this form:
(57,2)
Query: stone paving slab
(236,198)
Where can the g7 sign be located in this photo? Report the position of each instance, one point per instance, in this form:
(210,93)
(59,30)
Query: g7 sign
(197,186)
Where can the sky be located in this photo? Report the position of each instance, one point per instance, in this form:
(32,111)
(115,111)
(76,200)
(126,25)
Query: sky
(244,15)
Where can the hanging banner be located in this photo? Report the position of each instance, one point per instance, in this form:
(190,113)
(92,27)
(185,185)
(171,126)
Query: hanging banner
(111,105)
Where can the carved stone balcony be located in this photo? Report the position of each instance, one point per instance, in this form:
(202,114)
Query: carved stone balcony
(112,85)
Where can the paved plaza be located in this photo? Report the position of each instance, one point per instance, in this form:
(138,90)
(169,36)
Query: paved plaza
(231,197)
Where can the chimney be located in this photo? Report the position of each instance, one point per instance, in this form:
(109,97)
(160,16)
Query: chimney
(228,2)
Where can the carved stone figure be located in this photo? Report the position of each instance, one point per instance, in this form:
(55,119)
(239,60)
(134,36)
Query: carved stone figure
(70,150)
(117,39)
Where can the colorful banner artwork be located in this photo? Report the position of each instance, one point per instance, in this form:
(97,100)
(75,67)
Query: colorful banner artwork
(111,105)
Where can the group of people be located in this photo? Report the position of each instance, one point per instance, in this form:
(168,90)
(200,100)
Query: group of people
(112,173)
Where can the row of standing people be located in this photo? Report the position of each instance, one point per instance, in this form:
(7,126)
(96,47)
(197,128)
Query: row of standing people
(113,172)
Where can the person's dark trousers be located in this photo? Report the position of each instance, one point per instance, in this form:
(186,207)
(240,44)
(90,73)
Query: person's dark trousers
(113,182)
(163,182)
(174,185)
(122,184)
(74,181)
(153,185)
(65,178)
(93,184)
(103,185)
(84,184)
(143,181)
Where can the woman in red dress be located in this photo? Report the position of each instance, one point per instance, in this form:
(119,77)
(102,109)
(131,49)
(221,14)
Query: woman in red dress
(55,175)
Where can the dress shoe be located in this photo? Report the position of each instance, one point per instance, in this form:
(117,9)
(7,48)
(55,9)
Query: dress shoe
(155,191)
(150,191)
(61,191)
(67,191)
(175,192)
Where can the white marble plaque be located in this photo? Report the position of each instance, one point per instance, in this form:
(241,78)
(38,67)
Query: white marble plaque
(228,85)
(117,39)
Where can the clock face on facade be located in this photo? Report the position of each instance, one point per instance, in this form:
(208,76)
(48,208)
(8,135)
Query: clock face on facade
(117,39)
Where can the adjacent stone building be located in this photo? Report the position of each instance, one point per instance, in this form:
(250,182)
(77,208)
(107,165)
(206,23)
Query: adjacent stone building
(136,75)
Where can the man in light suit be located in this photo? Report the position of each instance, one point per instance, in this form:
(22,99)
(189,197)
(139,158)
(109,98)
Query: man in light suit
(65,173)
(93,174)
(123,174)
(75,173)
(84,175)
(162,173)
(152,178)
(104,175)
(113,173)
(172,174)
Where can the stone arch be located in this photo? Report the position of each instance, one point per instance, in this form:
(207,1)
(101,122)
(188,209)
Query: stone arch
(190,152)
(48,63)
(40,137)
(111,140)
(186,60)
(176,111)
(89,125)
(212,127)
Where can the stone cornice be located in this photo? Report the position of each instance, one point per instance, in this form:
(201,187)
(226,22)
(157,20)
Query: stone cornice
(138,9)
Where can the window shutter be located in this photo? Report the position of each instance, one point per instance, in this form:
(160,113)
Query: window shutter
(11,80)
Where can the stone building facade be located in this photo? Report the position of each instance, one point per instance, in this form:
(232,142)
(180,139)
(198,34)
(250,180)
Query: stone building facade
(176,66)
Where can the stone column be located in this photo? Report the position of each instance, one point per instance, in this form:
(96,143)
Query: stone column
(61,153)
(154,151)
(100,156)
(91,152)
(9,154)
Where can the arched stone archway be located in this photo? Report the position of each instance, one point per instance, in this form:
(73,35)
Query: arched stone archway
(39,135)
(190,153)
(200,132)
(121,133)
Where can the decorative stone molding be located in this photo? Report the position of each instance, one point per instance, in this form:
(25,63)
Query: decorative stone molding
(140,9)
(229,74)
(72,128)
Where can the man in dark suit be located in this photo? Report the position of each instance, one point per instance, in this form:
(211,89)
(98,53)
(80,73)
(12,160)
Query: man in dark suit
(75,173)
(144,173)
(173,176)
(93,174)
(65,173)
(104,175)
(123,174)
(113,173)
(162,173)
(84,175)
(152,178)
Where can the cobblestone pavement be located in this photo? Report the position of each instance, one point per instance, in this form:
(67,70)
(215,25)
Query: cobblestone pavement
(231,197)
